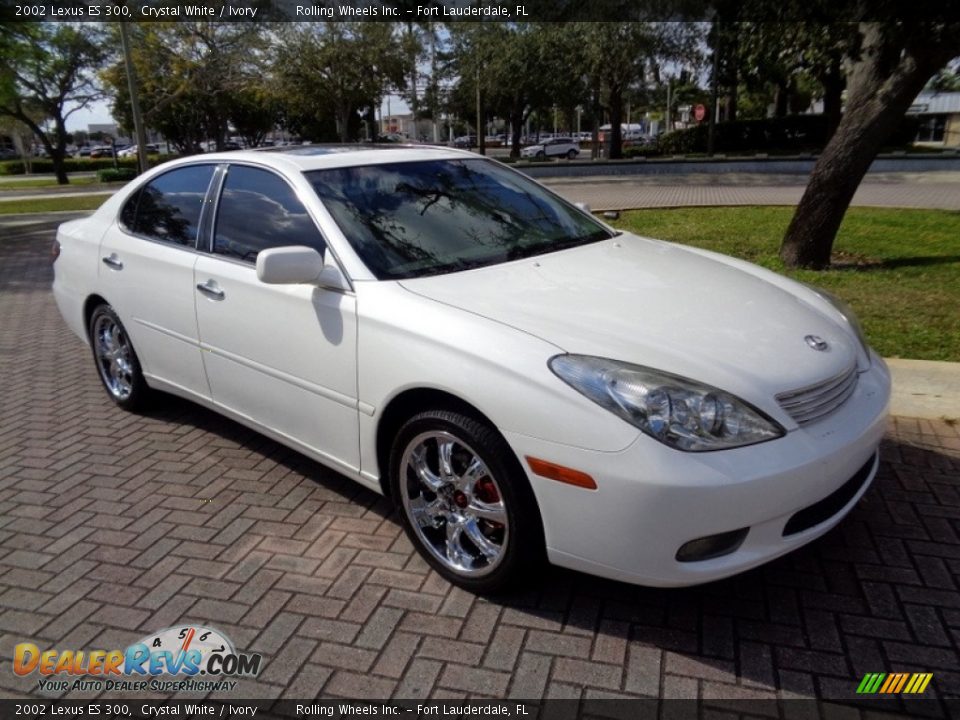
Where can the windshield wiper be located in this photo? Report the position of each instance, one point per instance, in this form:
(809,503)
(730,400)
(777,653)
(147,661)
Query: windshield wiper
(519,252)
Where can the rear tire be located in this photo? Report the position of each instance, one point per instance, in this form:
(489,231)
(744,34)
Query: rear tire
(572,155)
(465,502)
(116,360)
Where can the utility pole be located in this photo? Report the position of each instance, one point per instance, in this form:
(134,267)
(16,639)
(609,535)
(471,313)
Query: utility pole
(666,120)
(714,94)
(481,137)
(138,128)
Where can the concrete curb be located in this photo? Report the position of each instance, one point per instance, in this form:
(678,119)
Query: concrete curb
(925,388)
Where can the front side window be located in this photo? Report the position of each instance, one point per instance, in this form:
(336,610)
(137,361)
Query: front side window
(412,219)
(259,210)
(168,208)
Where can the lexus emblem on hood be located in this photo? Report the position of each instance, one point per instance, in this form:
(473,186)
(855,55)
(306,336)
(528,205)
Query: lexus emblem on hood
(816,342)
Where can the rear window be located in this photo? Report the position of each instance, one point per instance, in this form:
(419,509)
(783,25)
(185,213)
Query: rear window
(167,209)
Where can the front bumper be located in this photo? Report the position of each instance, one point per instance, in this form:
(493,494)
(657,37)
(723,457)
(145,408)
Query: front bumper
(651,499)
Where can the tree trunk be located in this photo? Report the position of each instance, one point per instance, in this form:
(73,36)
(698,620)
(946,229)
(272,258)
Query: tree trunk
(833,83)
(616,119)
(516,130)
(596,120)
(342,121)
(780,97)
(880,92)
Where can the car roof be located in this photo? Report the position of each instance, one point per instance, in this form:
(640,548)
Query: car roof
(319,157)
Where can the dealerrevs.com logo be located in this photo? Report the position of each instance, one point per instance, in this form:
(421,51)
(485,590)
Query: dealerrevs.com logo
(185,658)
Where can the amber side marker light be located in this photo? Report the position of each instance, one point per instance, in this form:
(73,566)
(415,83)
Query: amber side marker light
(560,473)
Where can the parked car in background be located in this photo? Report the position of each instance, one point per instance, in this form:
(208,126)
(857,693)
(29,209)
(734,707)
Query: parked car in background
(131,151)
(465,141)
(101,151)
(83,151)
(553,147)
(519,379)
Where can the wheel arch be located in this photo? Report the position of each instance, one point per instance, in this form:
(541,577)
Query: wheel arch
(404,406)
(89,305)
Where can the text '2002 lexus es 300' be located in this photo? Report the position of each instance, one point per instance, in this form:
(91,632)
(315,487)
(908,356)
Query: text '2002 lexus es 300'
(522,380)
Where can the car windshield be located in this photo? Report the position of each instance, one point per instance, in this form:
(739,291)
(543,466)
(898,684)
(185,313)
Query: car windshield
(413,219)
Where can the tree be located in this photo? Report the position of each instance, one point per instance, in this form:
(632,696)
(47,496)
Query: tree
(890,66)
(49,73)
(620,55)
(193,77)
(946,80)
(22,137)
(253,113)
(502,56)
(804,50)
(343,67)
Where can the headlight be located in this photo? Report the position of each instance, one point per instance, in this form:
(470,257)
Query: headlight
(844,309)
(678,412)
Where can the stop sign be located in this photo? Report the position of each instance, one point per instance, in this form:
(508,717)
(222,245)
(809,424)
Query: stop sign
(699,112)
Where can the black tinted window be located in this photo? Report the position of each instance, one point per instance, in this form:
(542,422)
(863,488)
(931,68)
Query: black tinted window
(258,210)
(168,208)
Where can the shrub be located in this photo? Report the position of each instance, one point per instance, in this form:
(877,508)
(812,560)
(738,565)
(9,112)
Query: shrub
(793,134)
(123,174)
(45,165)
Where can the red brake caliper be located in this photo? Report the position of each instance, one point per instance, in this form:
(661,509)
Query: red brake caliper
(486,491)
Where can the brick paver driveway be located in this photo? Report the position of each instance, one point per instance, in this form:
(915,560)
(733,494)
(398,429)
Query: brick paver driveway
(115,525)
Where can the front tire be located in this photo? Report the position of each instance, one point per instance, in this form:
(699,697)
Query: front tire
(464,501)
(116,361)
(572,155)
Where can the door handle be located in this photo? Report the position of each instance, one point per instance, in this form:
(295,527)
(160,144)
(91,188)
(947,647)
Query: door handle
(113,262)
(211,289)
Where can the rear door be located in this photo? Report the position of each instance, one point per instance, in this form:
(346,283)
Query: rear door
(146,273)
(282,355)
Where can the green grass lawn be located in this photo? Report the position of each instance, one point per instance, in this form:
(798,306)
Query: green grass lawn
(7,184)
(899,269)
(52,204)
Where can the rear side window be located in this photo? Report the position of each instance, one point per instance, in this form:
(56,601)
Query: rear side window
(259,210)
(168,208)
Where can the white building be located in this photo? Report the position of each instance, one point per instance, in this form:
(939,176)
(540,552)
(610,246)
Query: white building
(939,115)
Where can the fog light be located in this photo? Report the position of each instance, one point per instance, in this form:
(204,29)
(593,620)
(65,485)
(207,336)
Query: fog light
(712,546)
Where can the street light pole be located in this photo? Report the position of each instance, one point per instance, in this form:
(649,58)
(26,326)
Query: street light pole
(138,128)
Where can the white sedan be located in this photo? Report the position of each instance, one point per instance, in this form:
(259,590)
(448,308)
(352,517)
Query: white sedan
(557,147)
(522,380)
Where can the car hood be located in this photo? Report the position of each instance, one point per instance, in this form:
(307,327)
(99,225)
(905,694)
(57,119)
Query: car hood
(660,305)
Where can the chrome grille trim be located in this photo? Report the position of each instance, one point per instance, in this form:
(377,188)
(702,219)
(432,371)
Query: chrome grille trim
(809,404)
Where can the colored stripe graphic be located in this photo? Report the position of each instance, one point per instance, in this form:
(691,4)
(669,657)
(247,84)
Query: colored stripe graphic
(914,682)
(900,683)
(894,683)
(870,683)
(891,682)
(923,679)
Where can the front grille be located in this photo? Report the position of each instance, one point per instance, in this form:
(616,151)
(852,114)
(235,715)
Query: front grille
(831,504)
(809,404)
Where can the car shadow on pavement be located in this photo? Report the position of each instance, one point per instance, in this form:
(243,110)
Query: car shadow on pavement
(875,594)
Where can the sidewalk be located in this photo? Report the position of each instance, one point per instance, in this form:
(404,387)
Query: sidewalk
(925,389)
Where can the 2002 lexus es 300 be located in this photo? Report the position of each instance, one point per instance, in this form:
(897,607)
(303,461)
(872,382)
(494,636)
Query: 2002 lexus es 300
(521,379)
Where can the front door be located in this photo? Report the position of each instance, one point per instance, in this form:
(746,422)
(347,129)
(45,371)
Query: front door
(282,355)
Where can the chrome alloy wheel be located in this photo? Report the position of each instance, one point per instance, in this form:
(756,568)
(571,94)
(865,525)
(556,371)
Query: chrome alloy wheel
(454,504)
(114,357)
